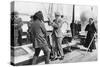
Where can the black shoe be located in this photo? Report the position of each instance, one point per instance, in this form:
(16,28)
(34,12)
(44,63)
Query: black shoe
(90,50)
(61,58)
(53,59)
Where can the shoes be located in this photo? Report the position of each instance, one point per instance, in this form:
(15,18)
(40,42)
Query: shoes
(61,58)
(90,50)
(54,58)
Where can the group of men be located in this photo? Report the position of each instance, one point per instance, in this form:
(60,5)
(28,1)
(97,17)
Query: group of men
(39,36)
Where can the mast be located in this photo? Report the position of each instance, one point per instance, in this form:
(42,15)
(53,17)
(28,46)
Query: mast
(73,19)
(73,14)
(50,11)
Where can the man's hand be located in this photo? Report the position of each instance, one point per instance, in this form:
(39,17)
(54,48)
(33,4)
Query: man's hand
(50,22)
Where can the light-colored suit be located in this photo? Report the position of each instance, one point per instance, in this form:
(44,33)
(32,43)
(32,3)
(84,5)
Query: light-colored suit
(57,36)
(57,24)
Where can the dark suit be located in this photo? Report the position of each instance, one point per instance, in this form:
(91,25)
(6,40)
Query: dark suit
(91,30)
(38,33)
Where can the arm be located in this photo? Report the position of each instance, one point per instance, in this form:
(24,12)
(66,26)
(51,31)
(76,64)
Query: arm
(54,25)
(86,29)
(42,26)
(58,24)
(95,30)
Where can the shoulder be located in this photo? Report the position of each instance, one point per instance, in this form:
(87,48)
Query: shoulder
(93,24)
(87,25)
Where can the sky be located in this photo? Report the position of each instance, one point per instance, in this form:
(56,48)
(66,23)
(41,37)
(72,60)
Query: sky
(26,9)
(30,8)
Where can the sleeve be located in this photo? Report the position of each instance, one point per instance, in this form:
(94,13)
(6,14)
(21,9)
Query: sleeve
(58,24)
(31,32)
(95,30)
(32,29)
(42,26)
(71,25)
(86,29)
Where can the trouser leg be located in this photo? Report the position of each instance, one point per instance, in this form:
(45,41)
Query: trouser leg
(35,57)
(46,51)
(54,47)
(60,49)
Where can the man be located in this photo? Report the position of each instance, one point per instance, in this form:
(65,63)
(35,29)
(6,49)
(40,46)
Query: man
(57,36)
(90,28)
(38,32)
(15,26)
(29,28)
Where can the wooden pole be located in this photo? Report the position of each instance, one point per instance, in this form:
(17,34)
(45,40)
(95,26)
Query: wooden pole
(73,19)
(90,44)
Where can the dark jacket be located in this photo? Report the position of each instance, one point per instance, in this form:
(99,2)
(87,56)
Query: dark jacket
(91,30)
(38,33)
